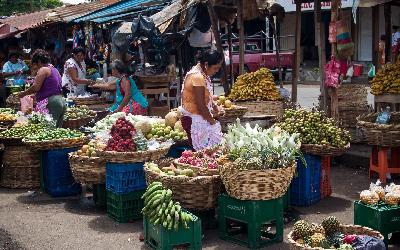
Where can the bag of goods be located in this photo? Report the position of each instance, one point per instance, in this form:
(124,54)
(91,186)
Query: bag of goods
(377,188)
(392,199)
(369,197)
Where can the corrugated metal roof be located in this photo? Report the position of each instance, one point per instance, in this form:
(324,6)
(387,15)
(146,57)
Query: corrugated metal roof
(114,9)
(131,13)
(27,21)
(69,13)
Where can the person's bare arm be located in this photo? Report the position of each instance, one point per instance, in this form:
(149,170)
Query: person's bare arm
(42,74)
(199,91)
(126,86)
(74,76)
(109,86)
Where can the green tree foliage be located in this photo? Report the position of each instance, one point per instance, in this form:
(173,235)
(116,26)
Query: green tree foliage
(8,7)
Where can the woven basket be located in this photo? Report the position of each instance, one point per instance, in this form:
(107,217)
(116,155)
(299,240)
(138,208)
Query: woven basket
(77,123)
(7,124)
(323,150)
(387,135)
(88,170)
(21,168)
(199,193)
(8,141)
(255,184)
(200,170)
(88,101)
(345,229)
(233,113)
(56,144)
(149,79)
(257,108)
(132,157)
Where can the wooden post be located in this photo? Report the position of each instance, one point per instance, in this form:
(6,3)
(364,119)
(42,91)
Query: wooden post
(388,30)
(295,72)
(320,43)
(218,43)
(334,106)
(231,70)
(240,23)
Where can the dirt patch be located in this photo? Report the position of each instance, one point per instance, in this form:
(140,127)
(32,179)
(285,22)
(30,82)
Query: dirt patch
(7,242)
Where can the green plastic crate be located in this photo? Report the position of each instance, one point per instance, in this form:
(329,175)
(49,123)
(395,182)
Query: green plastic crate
(125,207)
(159,238)
(100,195)
(207,217)
(244,222)
(381,217)
(286,201)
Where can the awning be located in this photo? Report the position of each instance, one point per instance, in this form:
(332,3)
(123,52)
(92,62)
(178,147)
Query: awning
(27,21)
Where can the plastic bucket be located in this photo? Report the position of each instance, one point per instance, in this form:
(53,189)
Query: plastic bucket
(358,68)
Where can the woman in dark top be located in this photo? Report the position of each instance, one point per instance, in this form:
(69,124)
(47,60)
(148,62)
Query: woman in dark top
(47,88)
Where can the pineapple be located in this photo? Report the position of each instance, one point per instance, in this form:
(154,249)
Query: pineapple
(331,225)
(317,229)
(301,229)
(318,240)
(335,239)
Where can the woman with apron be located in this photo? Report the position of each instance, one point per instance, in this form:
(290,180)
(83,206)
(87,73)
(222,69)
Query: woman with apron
(128,97)
(198,106)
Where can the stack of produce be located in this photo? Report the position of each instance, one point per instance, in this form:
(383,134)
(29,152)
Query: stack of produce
(230,111)
(330,234)
(89,150)
(121,137)
(19,132)
(40,118)
(315,128)
(387,80)
(76,113)
(7,111)
(171,170)
(56,138)
(7,120)
(252,156)
(376,194)
(201,159)
(160,209)
(161,131)
(257,85)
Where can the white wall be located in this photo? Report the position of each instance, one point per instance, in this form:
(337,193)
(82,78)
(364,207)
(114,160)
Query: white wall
(364,45)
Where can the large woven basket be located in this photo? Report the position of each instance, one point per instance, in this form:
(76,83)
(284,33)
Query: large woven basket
(7,124)
(21,168)
(132,157)
(255,184)
(323,150)
(88,101)
(56,144)
(198,193)
(9,141)
(233,113)
(261,108)
(345,229)
(387,135)
(87,170)
(77,123)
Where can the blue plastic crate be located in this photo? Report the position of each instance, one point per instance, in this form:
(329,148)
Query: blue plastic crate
(176,151)
(125,178)
(305,187)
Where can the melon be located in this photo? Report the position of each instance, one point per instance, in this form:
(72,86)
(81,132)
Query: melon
(171,118)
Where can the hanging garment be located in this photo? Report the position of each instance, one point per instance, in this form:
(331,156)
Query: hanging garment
(332,73)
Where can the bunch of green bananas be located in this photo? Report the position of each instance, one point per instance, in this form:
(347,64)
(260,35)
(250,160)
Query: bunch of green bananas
(161,209)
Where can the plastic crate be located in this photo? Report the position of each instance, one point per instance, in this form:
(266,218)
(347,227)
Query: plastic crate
(248,222)
(100,195)
(286,201)
(325,185)
(157,237)
(176,151)
(305,187)
(207,217)
(56,162)
(125,178)
(383,218)
(63,191)
(125,207)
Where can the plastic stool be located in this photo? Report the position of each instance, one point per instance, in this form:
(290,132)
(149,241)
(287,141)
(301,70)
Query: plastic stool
(384,160)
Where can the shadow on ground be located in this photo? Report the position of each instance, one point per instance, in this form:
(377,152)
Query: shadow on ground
(105,224)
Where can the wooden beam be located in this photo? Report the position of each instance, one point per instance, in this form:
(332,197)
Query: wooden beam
(320,43)
(218,43)
(240,23)
(334,106)
(295,72)
(388,30)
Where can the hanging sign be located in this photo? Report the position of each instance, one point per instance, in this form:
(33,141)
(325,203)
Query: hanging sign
(290,5)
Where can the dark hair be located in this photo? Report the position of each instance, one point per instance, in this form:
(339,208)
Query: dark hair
(383,37)
(210,56)
(78,50)
(13,53)
(119,66)
(40,56)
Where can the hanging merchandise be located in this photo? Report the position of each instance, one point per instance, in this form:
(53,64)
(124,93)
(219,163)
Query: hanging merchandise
(371,72)
(78,36)
(332,73)
(332,32)
(345,46)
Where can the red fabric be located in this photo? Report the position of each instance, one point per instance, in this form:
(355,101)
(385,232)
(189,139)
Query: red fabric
(187,126)
(136,109)
(343,67)
(344,41)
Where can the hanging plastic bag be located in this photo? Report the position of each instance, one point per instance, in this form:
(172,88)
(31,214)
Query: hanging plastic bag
(332,73)
(350,71)
(371,72)
(383,116)
(26,104)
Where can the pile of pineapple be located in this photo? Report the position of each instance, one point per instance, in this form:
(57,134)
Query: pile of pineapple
(257,85)
(327,235)
(387,80)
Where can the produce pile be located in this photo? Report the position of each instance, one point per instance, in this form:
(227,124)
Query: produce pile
(327,235)
(81,112)
(171,170)
(387,80)
(54,134)
(256,148)
(257,85)
(225,103)
(39,118)
(19,132)
(376,194)
(121,140)
(5,117)
(7,111)
(89,150)
(203,158)
(161,131)
(160,209)
(314,128)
